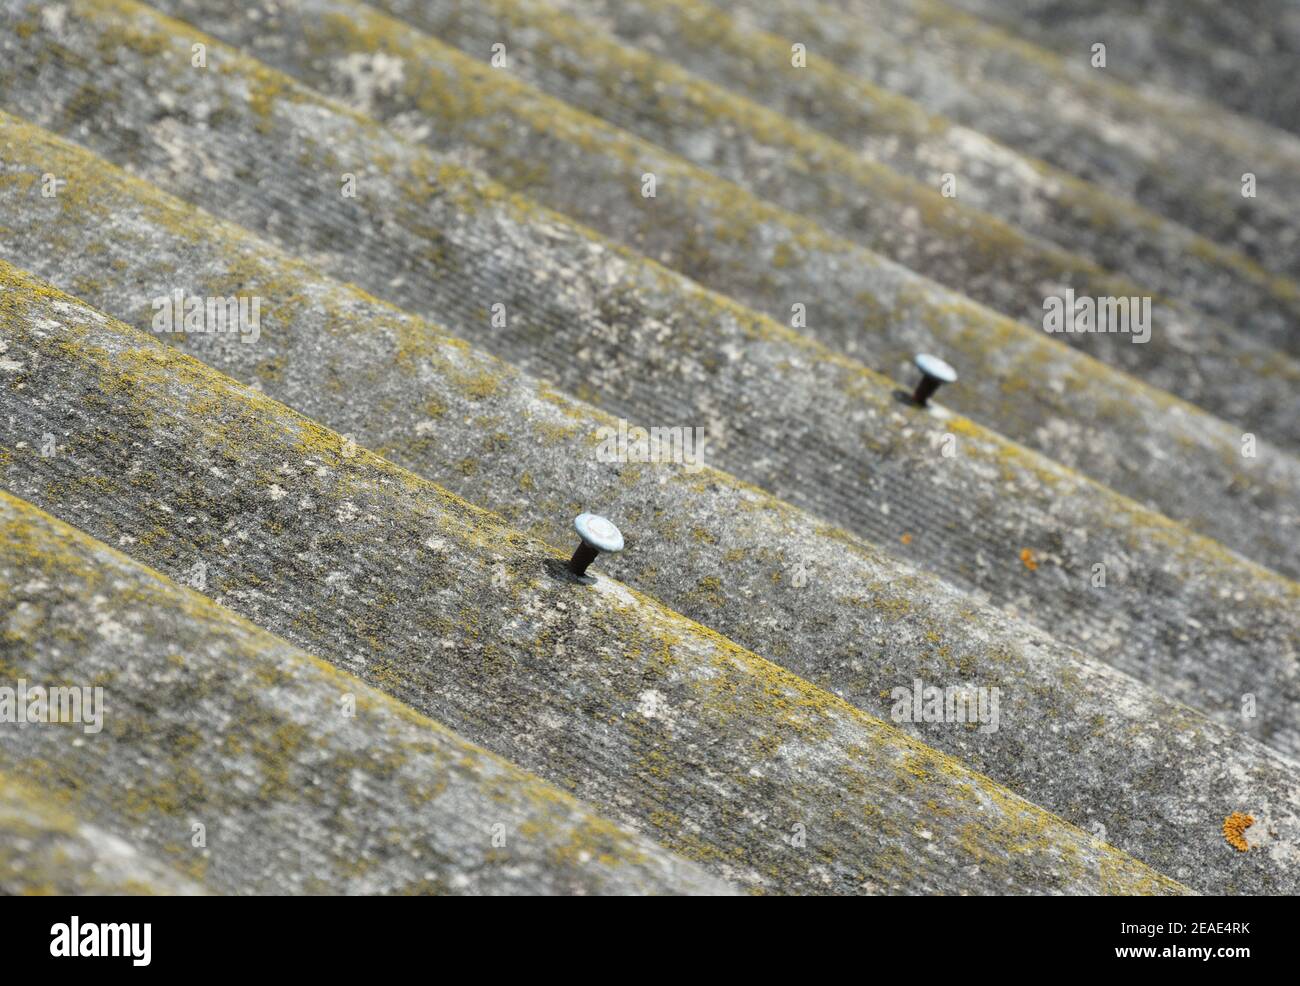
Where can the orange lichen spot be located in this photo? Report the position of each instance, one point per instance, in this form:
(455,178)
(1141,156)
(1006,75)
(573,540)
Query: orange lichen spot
(1233,828)
(906,539)
(1028,560)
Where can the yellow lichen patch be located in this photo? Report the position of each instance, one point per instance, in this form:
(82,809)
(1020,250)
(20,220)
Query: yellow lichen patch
(1234,827)
(1028,559)
(477,386)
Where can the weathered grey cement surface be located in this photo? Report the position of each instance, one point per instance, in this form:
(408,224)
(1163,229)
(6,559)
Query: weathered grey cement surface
(45,850)
(459,253)
(1183,161)
(1241,54)
(604,323)
(303,779)
(827,435)
(835,610)
(331,350)
(638,86)
(642,713)
(585,168)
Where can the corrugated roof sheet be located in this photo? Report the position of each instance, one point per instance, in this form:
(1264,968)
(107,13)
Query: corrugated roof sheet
(728,697)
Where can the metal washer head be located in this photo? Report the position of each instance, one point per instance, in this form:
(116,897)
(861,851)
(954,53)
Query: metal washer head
(598,532)
(933,366)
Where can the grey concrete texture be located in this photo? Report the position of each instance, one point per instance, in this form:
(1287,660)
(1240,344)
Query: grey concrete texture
(832,198)
(657,722)
(255,768)
(45,850)
(1184,159)
(1241,54)
(760,639)
(837,611)
(436,238)
(647,65)
(800,422)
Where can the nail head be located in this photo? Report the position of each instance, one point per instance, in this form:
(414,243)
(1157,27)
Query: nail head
(933,366)
(598,532)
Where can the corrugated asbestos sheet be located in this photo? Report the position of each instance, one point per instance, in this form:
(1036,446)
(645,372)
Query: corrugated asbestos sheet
(320,321)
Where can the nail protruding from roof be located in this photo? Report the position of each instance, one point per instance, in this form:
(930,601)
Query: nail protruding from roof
(934,373)
(599,536)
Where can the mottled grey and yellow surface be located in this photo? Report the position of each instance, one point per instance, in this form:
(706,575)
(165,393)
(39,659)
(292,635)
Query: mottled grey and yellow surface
(838,611)
(1242,54)
(657,721)
(1101,533)
(45,850)
(252,767)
